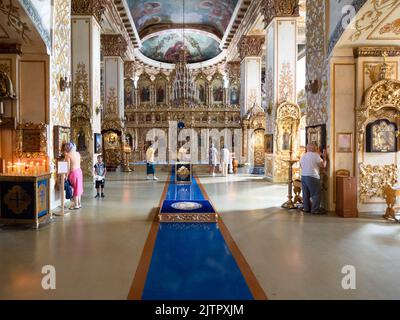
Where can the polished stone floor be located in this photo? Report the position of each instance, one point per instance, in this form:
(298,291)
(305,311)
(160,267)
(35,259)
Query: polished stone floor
(96,250)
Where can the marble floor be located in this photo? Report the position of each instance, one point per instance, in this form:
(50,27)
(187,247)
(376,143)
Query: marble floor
(96,250)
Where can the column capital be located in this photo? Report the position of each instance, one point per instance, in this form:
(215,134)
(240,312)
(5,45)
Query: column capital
(94,8)
(279,8)
(129,69)
(113,45)
(251,46)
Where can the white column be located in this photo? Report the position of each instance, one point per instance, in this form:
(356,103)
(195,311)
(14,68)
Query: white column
(250,72)
(281,65)
(86,79)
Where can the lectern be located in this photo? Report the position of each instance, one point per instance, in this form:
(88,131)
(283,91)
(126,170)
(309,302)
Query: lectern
(346,197)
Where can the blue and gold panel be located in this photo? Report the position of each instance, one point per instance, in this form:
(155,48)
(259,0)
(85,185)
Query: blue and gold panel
(183,173)
(42,198)
(18,200)
(187,206)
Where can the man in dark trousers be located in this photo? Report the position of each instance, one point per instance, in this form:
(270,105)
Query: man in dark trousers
(311,163)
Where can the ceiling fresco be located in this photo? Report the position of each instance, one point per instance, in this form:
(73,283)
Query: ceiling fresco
(165,46)
(210,15)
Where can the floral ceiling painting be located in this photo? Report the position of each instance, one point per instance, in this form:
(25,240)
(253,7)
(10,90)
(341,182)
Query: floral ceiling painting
(213,15)
(165,47)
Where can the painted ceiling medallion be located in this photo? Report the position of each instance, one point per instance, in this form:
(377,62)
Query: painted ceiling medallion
(166,46)
(209,13)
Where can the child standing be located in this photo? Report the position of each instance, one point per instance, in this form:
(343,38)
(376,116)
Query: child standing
(100,172)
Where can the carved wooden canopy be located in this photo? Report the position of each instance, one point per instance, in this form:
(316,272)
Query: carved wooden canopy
(382,100)
(288,110)
(384,94)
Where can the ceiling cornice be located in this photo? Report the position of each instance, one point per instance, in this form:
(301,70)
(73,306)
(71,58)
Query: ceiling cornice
(129,26)
(247,16)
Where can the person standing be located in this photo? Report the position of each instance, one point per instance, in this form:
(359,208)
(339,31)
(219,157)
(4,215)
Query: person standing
(212,158)
(225,159)
(75,175)
(100,172)
(311,163)
(150,163)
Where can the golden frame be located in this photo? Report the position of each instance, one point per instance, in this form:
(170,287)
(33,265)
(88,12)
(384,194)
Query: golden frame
(341,148)
(62,135)
(34,136)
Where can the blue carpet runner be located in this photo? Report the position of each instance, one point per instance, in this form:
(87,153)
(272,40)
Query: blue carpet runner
(191,261)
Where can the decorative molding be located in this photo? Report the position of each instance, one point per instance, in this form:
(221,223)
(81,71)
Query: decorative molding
(14,21)
(385,93)
(188,217)
(111,119)
(80,111)
(374,179)
(129,69)
(94,8)
(233,70)
(81,85)
(376,51)
(61,63)
(5,68)
(251,46)
(288,110)
(112,103)
(378,72)
(10,48)
(113,45)
(391,27)
(286,83)
(371,17)
(279,8)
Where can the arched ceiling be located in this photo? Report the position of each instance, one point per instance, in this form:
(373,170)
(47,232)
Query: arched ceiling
(159,25)
(17,27)
(374,25)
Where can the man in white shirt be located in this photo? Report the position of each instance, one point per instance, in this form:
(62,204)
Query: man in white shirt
(311,163)
(225,157)
(150,167)
(213,158)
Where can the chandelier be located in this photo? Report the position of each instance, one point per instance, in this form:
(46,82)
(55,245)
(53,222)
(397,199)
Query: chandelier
(184,82)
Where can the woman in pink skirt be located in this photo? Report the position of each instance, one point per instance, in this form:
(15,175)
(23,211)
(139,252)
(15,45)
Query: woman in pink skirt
(75,175)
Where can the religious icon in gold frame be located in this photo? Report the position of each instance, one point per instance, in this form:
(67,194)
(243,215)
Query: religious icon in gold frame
(316,135)
(62,135)
(381,136)
(269,143)
(31,140)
